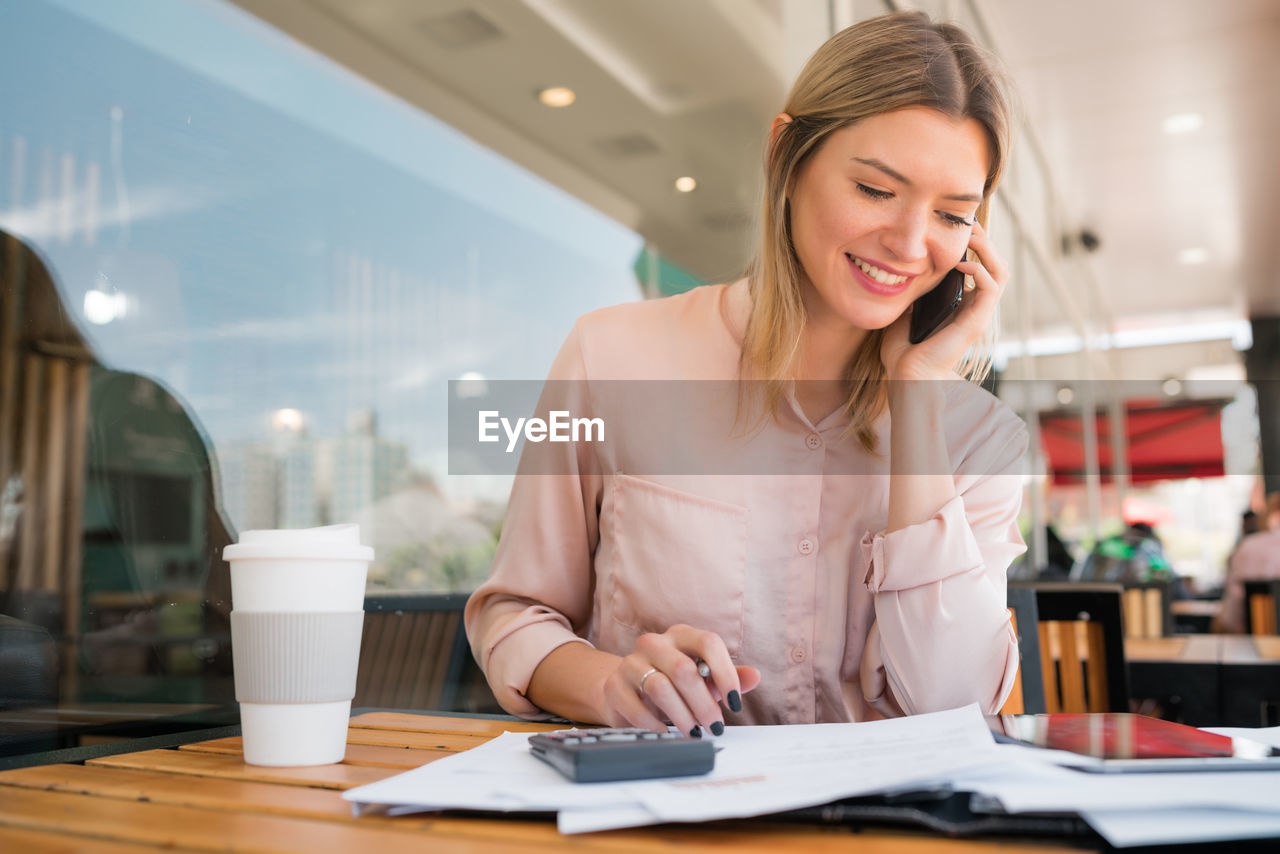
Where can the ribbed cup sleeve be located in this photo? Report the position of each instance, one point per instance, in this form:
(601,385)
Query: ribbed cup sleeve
(295,657)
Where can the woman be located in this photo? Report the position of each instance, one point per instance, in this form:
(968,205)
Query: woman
(870,580)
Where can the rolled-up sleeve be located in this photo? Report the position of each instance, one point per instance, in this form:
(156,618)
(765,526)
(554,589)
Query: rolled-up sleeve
(539,592)
(942,636)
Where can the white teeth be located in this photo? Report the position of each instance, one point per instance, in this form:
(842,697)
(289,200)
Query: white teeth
(876,273)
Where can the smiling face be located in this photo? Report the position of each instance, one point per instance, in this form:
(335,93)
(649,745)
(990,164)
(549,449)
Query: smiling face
(883,210)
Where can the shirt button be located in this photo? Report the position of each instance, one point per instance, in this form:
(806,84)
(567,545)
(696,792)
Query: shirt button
(814,441)
(806,546)
(798,655)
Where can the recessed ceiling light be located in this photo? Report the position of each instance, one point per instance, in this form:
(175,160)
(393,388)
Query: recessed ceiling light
(1194,255)
(557,96)
(287,421)
(1183,123)
(685,184)
(1171,387)
(1066,395)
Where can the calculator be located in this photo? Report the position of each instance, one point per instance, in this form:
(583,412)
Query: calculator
(601,755)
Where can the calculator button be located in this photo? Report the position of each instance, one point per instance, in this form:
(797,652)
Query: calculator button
(618,736)
(670,735)
(649,736)
(588,739)
(569,740)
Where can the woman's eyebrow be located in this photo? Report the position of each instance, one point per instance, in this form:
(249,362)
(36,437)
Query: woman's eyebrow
(898,176)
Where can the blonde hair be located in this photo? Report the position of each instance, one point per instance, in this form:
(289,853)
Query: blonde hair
(875,66)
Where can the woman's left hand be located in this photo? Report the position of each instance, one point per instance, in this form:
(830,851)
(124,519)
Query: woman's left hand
(936,356)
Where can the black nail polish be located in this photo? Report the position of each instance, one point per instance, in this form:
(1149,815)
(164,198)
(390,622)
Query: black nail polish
(717,728)
(696,732)
(735,701)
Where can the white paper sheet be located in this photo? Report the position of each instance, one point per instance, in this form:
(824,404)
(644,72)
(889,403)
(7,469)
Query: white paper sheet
(1134,809)
(1269,735)
(1126,828)
(758,770)
(1026,787)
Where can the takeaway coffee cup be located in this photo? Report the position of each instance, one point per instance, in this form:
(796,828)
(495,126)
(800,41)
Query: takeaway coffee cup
(297,601)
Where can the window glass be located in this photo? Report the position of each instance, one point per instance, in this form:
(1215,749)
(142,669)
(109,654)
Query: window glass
(237,281)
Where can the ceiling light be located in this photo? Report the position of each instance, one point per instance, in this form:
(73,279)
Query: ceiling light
(1066,395)
(286,421)
(1172,387)
(685,184)
(1183,123)
(1194,255)
(471,384)
(557,96)
(101,307)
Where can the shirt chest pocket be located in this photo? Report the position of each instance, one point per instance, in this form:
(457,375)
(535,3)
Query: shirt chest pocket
(678,558)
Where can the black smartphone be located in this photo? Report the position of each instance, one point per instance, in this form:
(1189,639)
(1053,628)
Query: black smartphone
(932,310)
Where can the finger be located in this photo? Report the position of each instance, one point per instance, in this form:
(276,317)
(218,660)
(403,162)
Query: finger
(631,709)
(979,304)
(982,278)
(988,255)
(662,693)
(748,678)
(710,647)
(682,671)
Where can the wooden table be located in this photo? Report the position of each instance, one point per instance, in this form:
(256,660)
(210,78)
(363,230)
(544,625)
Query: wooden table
(202,797)
(1209,680)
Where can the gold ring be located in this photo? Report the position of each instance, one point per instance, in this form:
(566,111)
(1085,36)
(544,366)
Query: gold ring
(647,674)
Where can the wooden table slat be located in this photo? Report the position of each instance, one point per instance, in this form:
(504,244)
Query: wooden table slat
(215,765)
(1268,647)
(357,754)
(416,740)
(42,842)
(208,830)
(433,723)
(183,790)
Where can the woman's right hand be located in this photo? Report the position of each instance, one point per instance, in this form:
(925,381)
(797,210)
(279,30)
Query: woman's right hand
(673,690)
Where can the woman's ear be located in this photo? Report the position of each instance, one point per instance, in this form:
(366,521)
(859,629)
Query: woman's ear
(778,121)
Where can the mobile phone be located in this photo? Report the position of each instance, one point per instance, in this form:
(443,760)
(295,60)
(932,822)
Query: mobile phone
(934,308)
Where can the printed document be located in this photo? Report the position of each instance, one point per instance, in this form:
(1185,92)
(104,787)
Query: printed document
(759,770)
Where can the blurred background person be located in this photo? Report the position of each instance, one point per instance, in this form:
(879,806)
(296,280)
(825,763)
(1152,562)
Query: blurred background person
(1257,558)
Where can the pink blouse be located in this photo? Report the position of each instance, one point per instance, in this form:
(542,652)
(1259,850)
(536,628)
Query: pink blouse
(1257,558)
(793,571)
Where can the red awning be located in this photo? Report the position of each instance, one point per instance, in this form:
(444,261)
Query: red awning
(1165,441)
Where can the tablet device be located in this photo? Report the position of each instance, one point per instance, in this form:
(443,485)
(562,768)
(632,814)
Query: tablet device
(1135,743)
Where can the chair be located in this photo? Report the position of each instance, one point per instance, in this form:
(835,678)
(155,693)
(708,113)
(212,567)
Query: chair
(1262,607)
(1027,696)
(1146,609)
(414,655)
(1081,634)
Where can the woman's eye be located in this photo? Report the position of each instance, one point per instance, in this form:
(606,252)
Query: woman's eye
(957,221)
(874,193)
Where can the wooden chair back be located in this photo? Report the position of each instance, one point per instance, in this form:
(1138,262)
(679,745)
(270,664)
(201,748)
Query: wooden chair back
(1262,607)
(414,655)
(1027,696)
(1147,611)
(1081,634)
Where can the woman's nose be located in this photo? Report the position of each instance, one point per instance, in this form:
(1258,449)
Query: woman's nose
(905,237)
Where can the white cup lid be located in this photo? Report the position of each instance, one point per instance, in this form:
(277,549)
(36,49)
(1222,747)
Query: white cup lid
(332,542)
